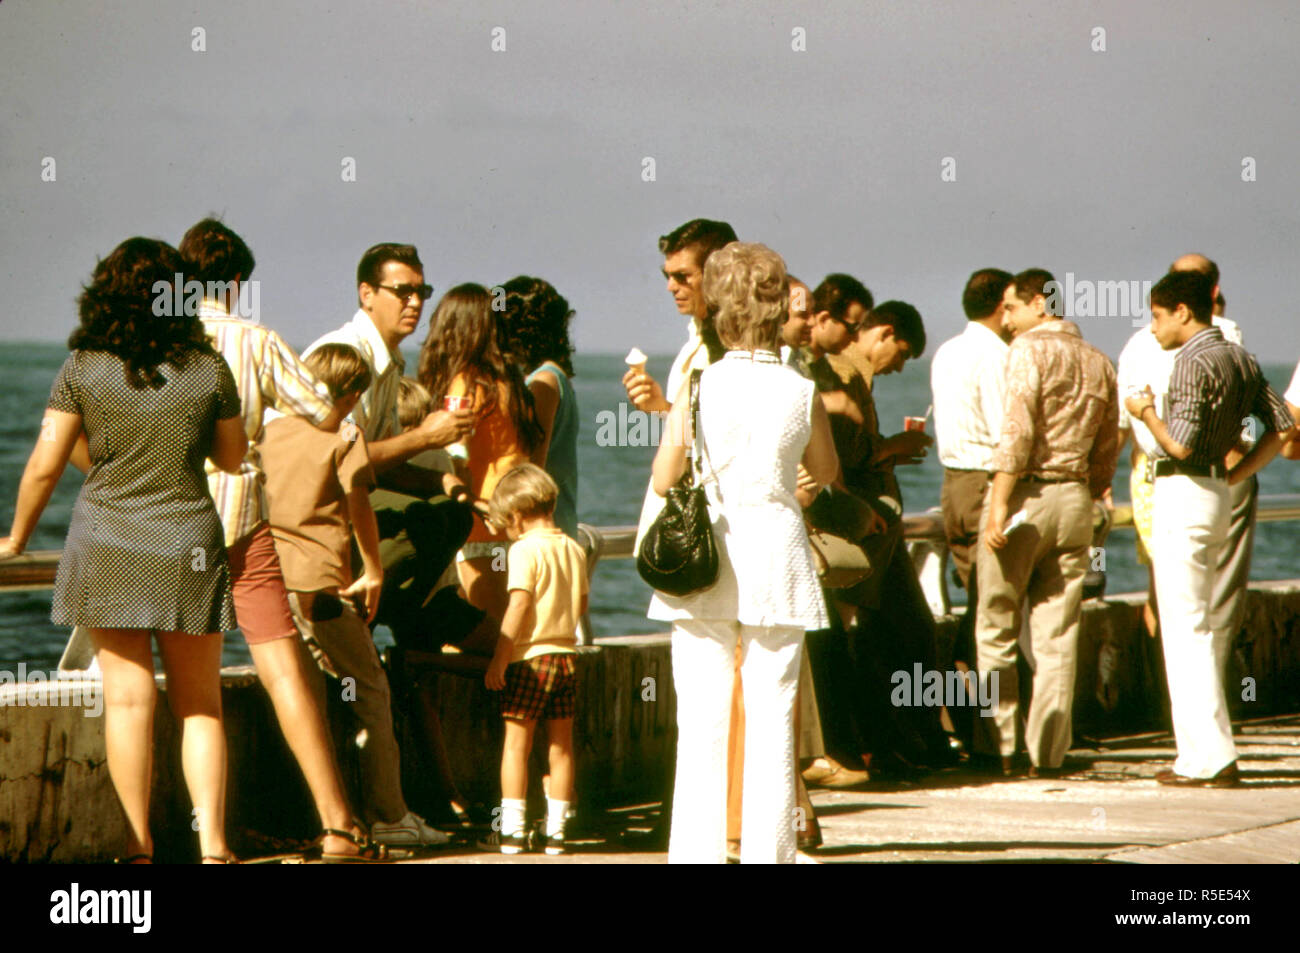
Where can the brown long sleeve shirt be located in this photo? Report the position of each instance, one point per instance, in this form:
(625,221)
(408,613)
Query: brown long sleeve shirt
(1061,416)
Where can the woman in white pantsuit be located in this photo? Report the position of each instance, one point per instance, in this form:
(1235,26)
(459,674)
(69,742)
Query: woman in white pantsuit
(758,420)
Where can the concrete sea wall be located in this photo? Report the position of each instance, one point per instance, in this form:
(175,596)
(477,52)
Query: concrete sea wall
(57,802)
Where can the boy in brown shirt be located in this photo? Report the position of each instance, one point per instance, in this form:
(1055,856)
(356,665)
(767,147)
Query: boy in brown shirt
(318,481)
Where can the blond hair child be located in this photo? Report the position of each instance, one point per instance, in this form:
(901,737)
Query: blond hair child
(533,663)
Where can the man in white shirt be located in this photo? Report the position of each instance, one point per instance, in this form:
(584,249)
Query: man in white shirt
(967,378)
(391,292)
(685,250)
(1143,363)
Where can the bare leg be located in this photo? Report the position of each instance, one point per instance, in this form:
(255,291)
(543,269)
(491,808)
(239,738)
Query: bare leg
(485,587)
(560,733)
(193,666)
(126,659)
(283,670)
(514,758)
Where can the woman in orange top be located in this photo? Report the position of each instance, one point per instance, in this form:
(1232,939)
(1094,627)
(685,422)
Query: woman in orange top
(460,358)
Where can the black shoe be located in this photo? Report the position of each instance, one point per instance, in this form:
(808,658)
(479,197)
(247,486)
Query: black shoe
(553,844)
(498,843)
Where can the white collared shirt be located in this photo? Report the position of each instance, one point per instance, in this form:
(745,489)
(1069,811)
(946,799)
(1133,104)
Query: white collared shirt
(968,380)
(376,413)
(1144,363)
(693,356)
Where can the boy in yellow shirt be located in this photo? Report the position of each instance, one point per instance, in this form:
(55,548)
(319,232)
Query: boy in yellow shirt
(533,662)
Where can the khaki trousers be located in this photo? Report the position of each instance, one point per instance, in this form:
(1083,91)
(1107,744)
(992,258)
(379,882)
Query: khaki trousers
(962,499)
(1044,560)
(349,652)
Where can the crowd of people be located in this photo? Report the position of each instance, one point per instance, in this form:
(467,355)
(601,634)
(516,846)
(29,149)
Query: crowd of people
(1029,425)
(304,499)
(231,482)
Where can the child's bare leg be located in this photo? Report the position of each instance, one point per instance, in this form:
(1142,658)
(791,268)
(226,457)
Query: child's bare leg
(560,733)
(514,758)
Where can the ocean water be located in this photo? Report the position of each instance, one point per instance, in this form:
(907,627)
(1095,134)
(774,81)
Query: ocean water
(613,484)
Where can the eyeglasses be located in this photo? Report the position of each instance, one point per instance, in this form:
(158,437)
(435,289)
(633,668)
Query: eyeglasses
(406,291)
(851,328)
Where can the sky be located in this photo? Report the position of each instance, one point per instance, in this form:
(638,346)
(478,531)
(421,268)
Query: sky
(822,130)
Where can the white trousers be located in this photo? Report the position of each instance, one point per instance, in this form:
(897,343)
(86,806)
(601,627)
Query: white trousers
(1189,526)
(703,670)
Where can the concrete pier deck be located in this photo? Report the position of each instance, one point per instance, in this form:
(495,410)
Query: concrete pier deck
(57,803)
(1109,810)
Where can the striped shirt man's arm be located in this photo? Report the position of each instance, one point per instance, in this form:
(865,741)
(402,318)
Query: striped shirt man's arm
(1271,409)
(1189,399)
(289,385)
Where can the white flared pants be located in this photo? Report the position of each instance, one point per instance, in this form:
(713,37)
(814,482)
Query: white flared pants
(703,670)
(1189,527)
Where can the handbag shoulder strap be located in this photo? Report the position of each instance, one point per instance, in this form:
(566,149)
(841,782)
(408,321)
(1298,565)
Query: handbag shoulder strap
(696,447)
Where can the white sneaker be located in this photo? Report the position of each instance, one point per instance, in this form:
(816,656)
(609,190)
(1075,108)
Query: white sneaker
(410,831)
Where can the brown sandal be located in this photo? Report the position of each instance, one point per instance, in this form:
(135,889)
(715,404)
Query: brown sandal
(368,852)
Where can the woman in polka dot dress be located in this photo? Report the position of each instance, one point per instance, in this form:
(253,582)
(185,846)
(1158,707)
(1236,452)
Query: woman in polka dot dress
(139,403)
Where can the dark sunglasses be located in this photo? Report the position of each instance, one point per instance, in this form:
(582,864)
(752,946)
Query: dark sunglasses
(406,291)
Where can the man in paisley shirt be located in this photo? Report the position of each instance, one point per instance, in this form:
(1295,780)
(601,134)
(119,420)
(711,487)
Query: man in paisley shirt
(1056,453)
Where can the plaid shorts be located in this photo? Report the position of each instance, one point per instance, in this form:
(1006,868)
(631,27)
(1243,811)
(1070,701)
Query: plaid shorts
(542,687)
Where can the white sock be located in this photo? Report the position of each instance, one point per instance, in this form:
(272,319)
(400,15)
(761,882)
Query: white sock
(512,816)
(556,813)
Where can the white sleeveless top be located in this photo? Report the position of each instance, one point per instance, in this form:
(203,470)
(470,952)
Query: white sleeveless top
(755,423)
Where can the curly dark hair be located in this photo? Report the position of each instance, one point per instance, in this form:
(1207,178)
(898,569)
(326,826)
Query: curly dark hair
(120,312)
(534,328)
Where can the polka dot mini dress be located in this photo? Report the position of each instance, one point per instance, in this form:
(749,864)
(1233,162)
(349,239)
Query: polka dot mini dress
(145,548)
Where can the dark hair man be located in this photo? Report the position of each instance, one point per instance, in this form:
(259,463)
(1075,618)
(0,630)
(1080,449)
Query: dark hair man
(968,385)
(391,292)
(685,250)
(1056,454)
(1213,386)
(270,375)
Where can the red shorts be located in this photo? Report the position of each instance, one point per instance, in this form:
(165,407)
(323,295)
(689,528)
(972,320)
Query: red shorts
(542,687)
(261,601)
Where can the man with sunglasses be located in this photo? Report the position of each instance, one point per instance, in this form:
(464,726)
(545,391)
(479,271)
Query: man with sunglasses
(391,293)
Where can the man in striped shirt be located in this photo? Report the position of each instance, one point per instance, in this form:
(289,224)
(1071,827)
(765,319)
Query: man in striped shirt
(269,375)
(1214,385)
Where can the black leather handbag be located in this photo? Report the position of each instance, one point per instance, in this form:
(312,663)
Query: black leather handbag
(679,554)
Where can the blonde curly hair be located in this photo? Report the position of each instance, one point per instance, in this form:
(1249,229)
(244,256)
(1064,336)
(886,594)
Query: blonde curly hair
(748,292)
